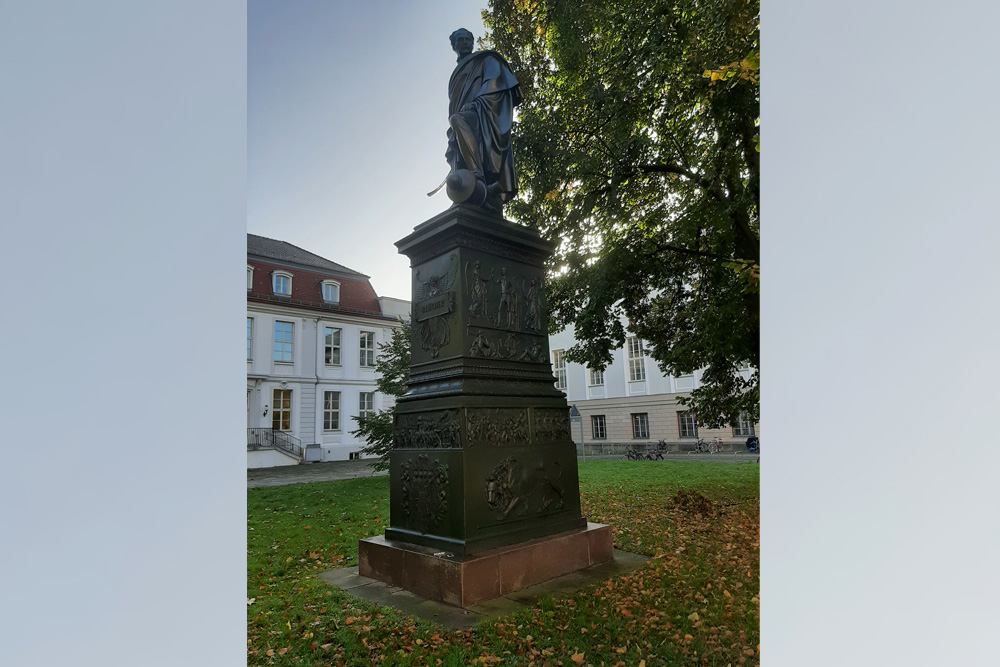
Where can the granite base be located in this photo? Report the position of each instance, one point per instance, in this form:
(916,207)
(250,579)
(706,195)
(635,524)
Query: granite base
(463,581)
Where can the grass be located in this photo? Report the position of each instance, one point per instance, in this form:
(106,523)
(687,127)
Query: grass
(695,602)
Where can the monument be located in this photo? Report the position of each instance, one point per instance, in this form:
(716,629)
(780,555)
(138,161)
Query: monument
(484,492)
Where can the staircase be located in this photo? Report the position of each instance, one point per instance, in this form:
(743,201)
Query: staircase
(269,438)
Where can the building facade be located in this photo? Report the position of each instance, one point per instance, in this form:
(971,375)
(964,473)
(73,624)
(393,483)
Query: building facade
(313,331)
(632,403)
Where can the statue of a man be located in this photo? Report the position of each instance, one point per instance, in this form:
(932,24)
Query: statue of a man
(482,94)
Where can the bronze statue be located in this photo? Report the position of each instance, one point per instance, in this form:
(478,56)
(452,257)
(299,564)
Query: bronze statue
(482,94)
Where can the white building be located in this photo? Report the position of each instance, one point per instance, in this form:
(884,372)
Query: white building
(313,330)
(632,403)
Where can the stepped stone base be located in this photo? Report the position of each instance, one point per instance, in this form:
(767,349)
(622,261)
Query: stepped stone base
(466,580)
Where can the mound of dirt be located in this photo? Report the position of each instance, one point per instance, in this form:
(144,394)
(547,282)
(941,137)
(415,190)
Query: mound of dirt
(692,502)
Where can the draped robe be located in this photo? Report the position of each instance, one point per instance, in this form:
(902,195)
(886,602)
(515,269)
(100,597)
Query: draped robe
(484,92)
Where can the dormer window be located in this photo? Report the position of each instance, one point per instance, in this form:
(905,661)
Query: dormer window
(281,283)
(249,277)
(331,291)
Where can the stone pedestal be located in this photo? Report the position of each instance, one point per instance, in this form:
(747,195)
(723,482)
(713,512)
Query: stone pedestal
(467,580)
(482,454)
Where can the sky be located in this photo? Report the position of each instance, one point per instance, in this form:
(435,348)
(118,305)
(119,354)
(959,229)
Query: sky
(347,109)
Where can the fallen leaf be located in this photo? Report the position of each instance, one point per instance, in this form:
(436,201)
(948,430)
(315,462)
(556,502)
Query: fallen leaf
(577,658)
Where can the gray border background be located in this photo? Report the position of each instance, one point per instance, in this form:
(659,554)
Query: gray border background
(122,182)
(123,187)
(879,236)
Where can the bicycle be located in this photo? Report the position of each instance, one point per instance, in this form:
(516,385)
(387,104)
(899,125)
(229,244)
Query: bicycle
(632,455)
(705,447)
(654,456)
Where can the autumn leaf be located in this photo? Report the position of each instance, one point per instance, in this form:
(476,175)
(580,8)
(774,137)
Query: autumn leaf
(577,658)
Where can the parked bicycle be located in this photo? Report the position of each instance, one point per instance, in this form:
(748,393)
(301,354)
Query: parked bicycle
(708,447)
(632,455)
(654,456)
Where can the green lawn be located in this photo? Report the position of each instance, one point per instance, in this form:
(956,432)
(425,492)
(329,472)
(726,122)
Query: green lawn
(695,602)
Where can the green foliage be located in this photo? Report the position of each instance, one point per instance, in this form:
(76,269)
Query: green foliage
(637,147)
(393,366)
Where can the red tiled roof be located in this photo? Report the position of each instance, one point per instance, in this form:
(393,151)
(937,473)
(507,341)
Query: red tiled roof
(357,297)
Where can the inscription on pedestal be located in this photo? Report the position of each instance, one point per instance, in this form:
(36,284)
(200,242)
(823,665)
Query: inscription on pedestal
(435,306)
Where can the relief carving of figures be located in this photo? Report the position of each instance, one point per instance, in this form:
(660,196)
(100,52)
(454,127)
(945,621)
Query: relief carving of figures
(498,427)
(424,486)
(478,291)
(552,425)
(506,315)
(428,430)
(508,348)
(483,347)
(512,490)
(533,317)
(435,303)
(533,353)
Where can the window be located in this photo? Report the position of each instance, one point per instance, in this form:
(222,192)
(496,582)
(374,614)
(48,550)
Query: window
(331,410)
(331,291)
(283,341)
(743,428)
(249,338)
(636,362)
(367,349)
(331,346)
(596,378)
(687,425)
(249,277)
(281,410)
(640,425)
(559,365)
(281,283)
(366,404)
(598,427)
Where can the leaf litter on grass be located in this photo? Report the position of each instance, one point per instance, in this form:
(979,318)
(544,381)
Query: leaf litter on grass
(695,602)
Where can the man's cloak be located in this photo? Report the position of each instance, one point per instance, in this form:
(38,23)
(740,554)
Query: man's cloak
(482,82)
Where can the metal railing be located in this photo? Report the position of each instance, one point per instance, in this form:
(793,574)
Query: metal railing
(610,450)
(269,438)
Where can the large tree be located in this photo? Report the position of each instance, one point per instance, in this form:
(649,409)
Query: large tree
(637,150)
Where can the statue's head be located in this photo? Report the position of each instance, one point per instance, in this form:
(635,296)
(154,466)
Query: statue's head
(462,42)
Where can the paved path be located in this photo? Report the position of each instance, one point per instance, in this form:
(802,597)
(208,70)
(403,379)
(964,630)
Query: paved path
(309,472)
